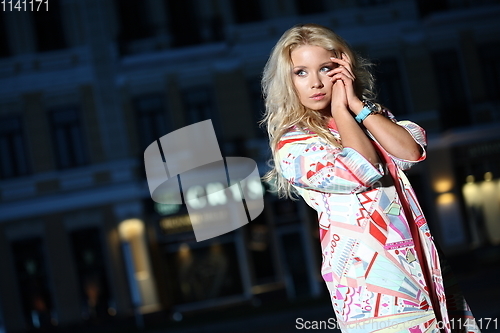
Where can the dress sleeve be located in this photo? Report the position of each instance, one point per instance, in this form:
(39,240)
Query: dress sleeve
(418,134)
(309,162)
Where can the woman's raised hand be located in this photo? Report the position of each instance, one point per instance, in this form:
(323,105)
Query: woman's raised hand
(344,74)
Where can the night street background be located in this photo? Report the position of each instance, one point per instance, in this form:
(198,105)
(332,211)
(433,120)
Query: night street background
(87,85)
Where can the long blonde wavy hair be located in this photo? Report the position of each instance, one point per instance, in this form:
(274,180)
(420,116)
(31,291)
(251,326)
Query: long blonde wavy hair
(283,107)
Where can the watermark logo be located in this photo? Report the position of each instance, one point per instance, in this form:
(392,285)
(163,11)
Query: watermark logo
(220,194)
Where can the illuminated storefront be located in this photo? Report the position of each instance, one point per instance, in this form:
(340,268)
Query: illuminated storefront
(478,169)
(196,272)
(275,255)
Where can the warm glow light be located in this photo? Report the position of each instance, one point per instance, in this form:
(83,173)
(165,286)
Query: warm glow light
(130,228)
(137,262)
(142,275)
(216,248)
(488,176)
(470,179)
(443,185)
(184,251)
(445,198)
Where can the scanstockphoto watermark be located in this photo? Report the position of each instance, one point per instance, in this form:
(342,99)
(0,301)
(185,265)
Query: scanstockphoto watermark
(374,324)
(329,324)
(221,194)
(333,324)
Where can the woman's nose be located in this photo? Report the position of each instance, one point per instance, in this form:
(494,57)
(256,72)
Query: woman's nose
(316,82)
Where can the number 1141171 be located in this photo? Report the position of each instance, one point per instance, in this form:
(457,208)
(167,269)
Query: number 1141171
(25,5)
(482,323)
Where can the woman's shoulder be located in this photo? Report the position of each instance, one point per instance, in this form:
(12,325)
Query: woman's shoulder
(296,135)
(296,130)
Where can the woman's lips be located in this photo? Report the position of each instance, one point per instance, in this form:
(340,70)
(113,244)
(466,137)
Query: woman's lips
(318,97)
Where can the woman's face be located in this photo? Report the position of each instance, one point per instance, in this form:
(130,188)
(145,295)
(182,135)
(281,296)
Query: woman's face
(313,86)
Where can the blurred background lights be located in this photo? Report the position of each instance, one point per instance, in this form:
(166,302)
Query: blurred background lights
(488,176)
(166,209)
(446,198)
(131,228)
(443,185)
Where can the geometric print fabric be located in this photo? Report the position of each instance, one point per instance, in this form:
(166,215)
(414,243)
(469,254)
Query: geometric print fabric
(382,277)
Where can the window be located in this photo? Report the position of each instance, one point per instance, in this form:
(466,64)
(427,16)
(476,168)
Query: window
(4,43)
(246,11)
(188,27)
(184,24)
(198,102)
(391,86)
(204,273)
(30,268)
(91,269)
(305,7)
(490,62)
(133,22)
(48,28)
(13,162)
(454,110)
(133,16)
(470,3)
(199,106)
(151,120)
(426,7)
(260,246)
(68,138)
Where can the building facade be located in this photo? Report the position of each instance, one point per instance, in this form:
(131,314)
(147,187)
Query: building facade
(86,86)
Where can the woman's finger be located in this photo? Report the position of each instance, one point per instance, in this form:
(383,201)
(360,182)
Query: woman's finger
(344,62)
(348,60)
(342,76)
(340,62)
(347,82)
(339,96)
(343,70)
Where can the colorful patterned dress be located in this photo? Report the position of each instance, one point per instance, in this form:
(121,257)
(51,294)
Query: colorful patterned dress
(380,263)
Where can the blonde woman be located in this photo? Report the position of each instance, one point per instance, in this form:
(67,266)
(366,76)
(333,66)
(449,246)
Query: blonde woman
(344,154)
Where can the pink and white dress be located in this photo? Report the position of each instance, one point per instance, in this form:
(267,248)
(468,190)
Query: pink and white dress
(380,263)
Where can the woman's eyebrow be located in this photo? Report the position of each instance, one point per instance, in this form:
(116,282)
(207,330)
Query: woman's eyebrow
(327,63)
(322,64)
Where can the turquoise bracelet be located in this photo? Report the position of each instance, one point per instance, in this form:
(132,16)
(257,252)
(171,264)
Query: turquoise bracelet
(365,112)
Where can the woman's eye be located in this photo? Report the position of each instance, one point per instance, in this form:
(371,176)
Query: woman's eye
(300,72)
(326,69)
